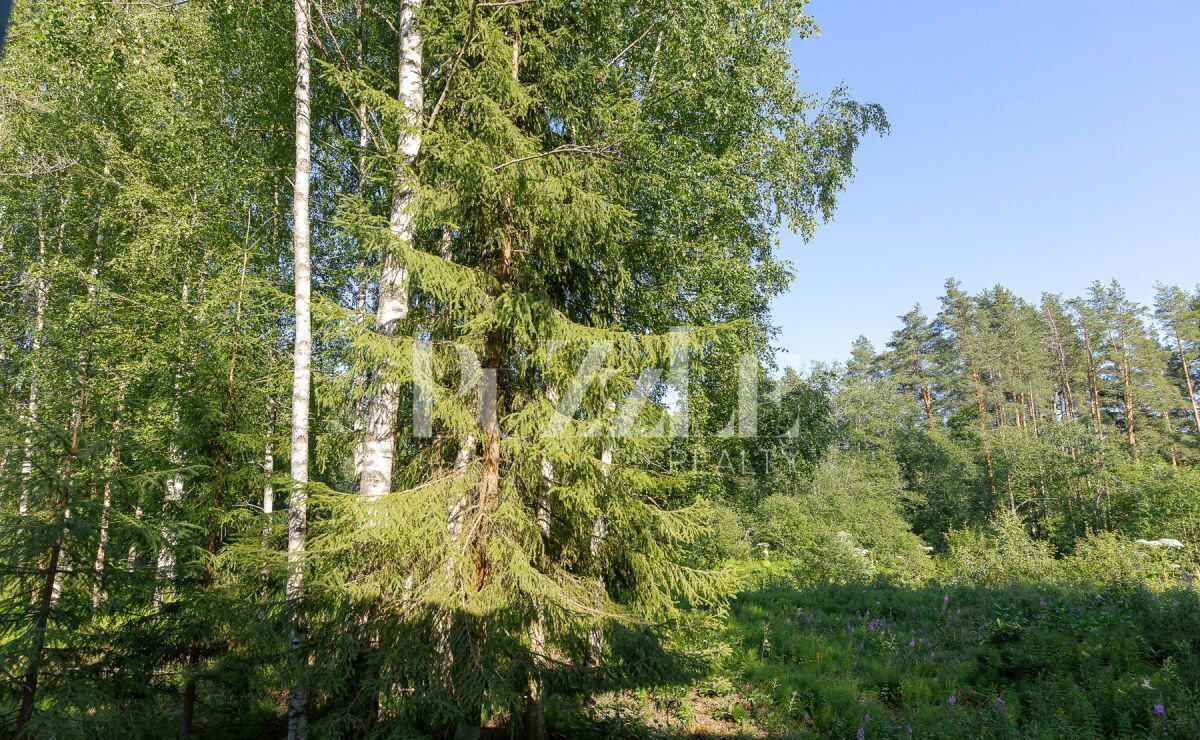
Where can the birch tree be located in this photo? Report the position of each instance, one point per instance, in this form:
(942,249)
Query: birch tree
(301,364)
(379,445)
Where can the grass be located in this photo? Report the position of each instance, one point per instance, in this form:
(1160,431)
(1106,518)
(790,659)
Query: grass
(1021,661)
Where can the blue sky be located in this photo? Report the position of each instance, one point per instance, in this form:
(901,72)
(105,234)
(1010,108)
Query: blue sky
(1038,144)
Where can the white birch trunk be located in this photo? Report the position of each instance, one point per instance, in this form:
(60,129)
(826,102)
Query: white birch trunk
(599,533)
(268,469)
(379,443)
(35,347)
(164,567)
(132,556)
(268,505)
(110,470)
(301,365)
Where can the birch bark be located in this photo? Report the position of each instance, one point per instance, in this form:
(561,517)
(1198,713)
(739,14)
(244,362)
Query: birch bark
(165,562)
(110,470)
(379,443)
(35,346)
(302,361)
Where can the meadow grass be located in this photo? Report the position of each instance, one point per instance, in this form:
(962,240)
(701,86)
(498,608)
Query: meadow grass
(879,660)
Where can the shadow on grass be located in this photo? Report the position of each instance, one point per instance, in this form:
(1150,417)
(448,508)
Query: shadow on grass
(854,660)
(1013,661)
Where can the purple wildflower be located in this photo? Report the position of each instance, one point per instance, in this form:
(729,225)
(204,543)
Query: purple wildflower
(945,599)
(1160,710)
(867,718)
(1000,703)
(912,643)
(1041,602)
(952,700)
(807,719)
(862,734)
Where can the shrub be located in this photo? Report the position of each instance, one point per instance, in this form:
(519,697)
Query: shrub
(1002,553)
(1107,558)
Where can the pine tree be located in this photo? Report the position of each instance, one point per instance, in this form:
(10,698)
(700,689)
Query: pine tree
(1063,346)
(1181,323)
(962,347)
(1131,361)
(913,346)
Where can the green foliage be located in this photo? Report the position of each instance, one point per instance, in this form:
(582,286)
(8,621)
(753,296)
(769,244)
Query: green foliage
(1000,554)
(588,174)
(846,526)
(1106,558)
(1022,660)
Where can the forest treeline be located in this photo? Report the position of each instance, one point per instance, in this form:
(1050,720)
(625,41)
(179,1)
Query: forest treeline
(1077,416)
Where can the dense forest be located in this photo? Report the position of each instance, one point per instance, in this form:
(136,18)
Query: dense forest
(386,368)
(1073,417)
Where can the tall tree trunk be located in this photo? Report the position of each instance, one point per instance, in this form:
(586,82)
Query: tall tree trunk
(1187,379)
(1170,430)
(111,468)
(165,563)
(81,364)
(1127,403)
(35,347)
(379,443)
(214,530)
(37,643)
(1093,382)
(983,424)
(301,370)
(268,501)
(599,533)
(488,494)
(1060,356)
(1033,410)
(360,298)
(535,700)
(981,409)
(491,403)
(927,402)
(132,556)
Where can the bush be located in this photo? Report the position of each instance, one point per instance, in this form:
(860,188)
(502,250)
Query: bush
(1000,554)
(846,527)
(1107,558)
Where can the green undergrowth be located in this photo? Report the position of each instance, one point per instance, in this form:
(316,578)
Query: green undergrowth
(1018,660)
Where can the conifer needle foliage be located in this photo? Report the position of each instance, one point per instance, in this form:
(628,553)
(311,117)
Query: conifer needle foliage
(499,192)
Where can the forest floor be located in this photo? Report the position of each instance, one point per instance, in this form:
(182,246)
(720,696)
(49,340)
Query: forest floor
(861,661)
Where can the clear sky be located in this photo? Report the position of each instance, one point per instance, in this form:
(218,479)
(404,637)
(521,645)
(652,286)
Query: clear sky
(1041,144)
